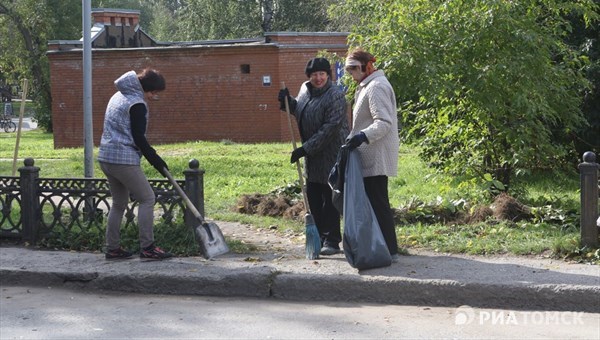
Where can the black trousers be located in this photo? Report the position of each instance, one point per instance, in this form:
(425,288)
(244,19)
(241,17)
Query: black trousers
(377,192)
(326,216)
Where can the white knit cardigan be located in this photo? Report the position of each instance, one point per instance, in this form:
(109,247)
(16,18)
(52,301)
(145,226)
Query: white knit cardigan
(374,113)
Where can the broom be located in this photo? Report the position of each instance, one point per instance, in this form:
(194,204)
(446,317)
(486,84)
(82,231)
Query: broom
(313,239)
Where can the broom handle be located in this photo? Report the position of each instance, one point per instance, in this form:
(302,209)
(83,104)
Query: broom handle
(300,179)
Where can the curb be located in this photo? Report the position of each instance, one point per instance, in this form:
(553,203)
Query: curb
(263,282)
(440,293)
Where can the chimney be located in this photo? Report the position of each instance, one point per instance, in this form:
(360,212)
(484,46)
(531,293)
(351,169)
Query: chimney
(116,17)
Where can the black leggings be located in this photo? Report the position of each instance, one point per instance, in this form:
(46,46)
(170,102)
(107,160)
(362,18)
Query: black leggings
(327,218)
(377,191)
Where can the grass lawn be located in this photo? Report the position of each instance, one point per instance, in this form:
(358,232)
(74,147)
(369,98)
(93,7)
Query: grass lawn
(232,170)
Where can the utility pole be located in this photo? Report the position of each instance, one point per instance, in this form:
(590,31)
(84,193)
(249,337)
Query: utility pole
(88,137)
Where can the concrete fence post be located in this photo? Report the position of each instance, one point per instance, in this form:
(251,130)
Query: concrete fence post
(588,171)
(30,202)
(194,189)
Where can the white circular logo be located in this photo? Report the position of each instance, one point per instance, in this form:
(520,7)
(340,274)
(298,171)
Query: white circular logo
(463,315)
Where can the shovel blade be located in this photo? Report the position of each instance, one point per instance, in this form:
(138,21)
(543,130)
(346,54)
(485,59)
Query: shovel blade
(212,242)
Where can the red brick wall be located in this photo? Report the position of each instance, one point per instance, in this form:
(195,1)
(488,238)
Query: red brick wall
(207,96)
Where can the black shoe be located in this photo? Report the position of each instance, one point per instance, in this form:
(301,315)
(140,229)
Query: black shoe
(154,253)
(118,254)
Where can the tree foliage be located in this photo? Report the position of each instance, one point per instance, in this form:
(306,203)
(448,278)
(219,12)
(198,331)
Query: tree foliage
(176,20)
(224,19)
(586,39)
(303,16)
(487,87)
(25,28)
(27,25)
(232,19)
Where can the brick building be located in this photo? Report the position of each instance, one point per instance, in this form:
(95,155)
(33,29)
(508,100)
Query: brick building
(216,90)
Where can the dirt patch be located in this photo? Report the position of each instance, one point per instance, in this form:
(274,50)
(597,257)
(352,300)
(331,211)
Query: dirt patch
(270,205)
(268,243)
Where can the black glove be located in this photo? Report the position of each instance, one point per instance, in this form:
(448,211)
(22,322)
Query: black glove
(283,93)
(158,163)
(356,140)
(297,154)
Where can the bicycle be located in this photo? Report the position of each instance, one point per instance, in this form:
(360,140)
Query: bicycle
(7,124)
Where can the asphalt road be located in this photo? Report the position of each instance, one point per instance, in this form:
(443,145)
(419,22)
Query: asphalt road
(53,313)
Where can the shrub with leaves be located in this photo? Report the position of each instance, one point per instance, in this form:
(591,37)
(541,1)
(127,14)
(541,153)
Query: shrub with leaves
(487,87)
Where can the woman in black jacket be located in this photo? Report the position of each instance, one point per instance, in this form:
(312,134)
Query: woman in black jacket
(320,111)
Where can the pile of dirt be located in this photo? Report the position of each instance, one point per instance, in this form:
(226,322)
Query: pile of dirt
(480,214)
(270,205)
(506,207)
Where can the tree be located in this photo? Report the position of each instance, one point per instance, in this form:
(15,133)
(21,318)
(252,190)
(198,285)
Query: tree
(27,25)
(234,19)
(163,25)
(303,16)
(586,39)
(224,19)
(485,86)
(25,28)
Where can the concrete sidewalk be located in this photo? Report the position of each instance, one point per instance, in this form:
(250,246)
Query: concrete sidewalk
(422,278)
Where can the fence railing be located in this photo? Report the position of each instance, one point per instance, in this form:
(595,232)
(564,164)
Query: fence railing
(588,172)
(31,207)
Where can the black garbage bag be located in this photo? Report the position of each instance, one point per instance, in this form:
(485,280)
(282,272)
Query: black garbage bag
(364,245)
(336,179)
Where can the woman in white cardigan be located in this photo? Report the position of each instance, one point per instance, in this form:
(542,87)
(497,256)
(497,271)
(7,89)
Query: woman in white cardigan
(375,135)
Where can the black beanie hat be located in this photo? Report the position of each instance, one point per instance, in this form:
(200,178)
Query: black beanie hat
(318,64)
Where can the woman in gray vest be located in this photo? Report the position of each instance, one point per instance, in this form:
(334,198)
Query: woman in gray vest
(122,145)
(320,111)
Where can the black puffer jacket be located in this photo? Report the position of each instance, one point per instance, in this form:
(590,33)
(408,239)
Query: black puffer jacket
(323,124)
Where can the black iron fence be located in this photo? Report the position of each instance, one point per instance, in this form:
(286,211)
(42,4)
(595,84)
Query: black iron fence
(32,207)
(589,222)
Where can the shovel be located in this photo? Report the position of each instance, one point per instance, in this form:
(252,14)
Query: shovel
(210,237)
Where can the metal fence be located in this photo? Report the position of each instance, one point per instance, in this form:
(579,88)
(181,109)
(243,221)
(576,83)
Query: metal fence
(32,207)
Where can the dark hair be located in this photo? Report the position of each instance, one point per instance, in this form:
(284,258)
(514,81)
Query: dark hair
(361,55)
(151,80)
